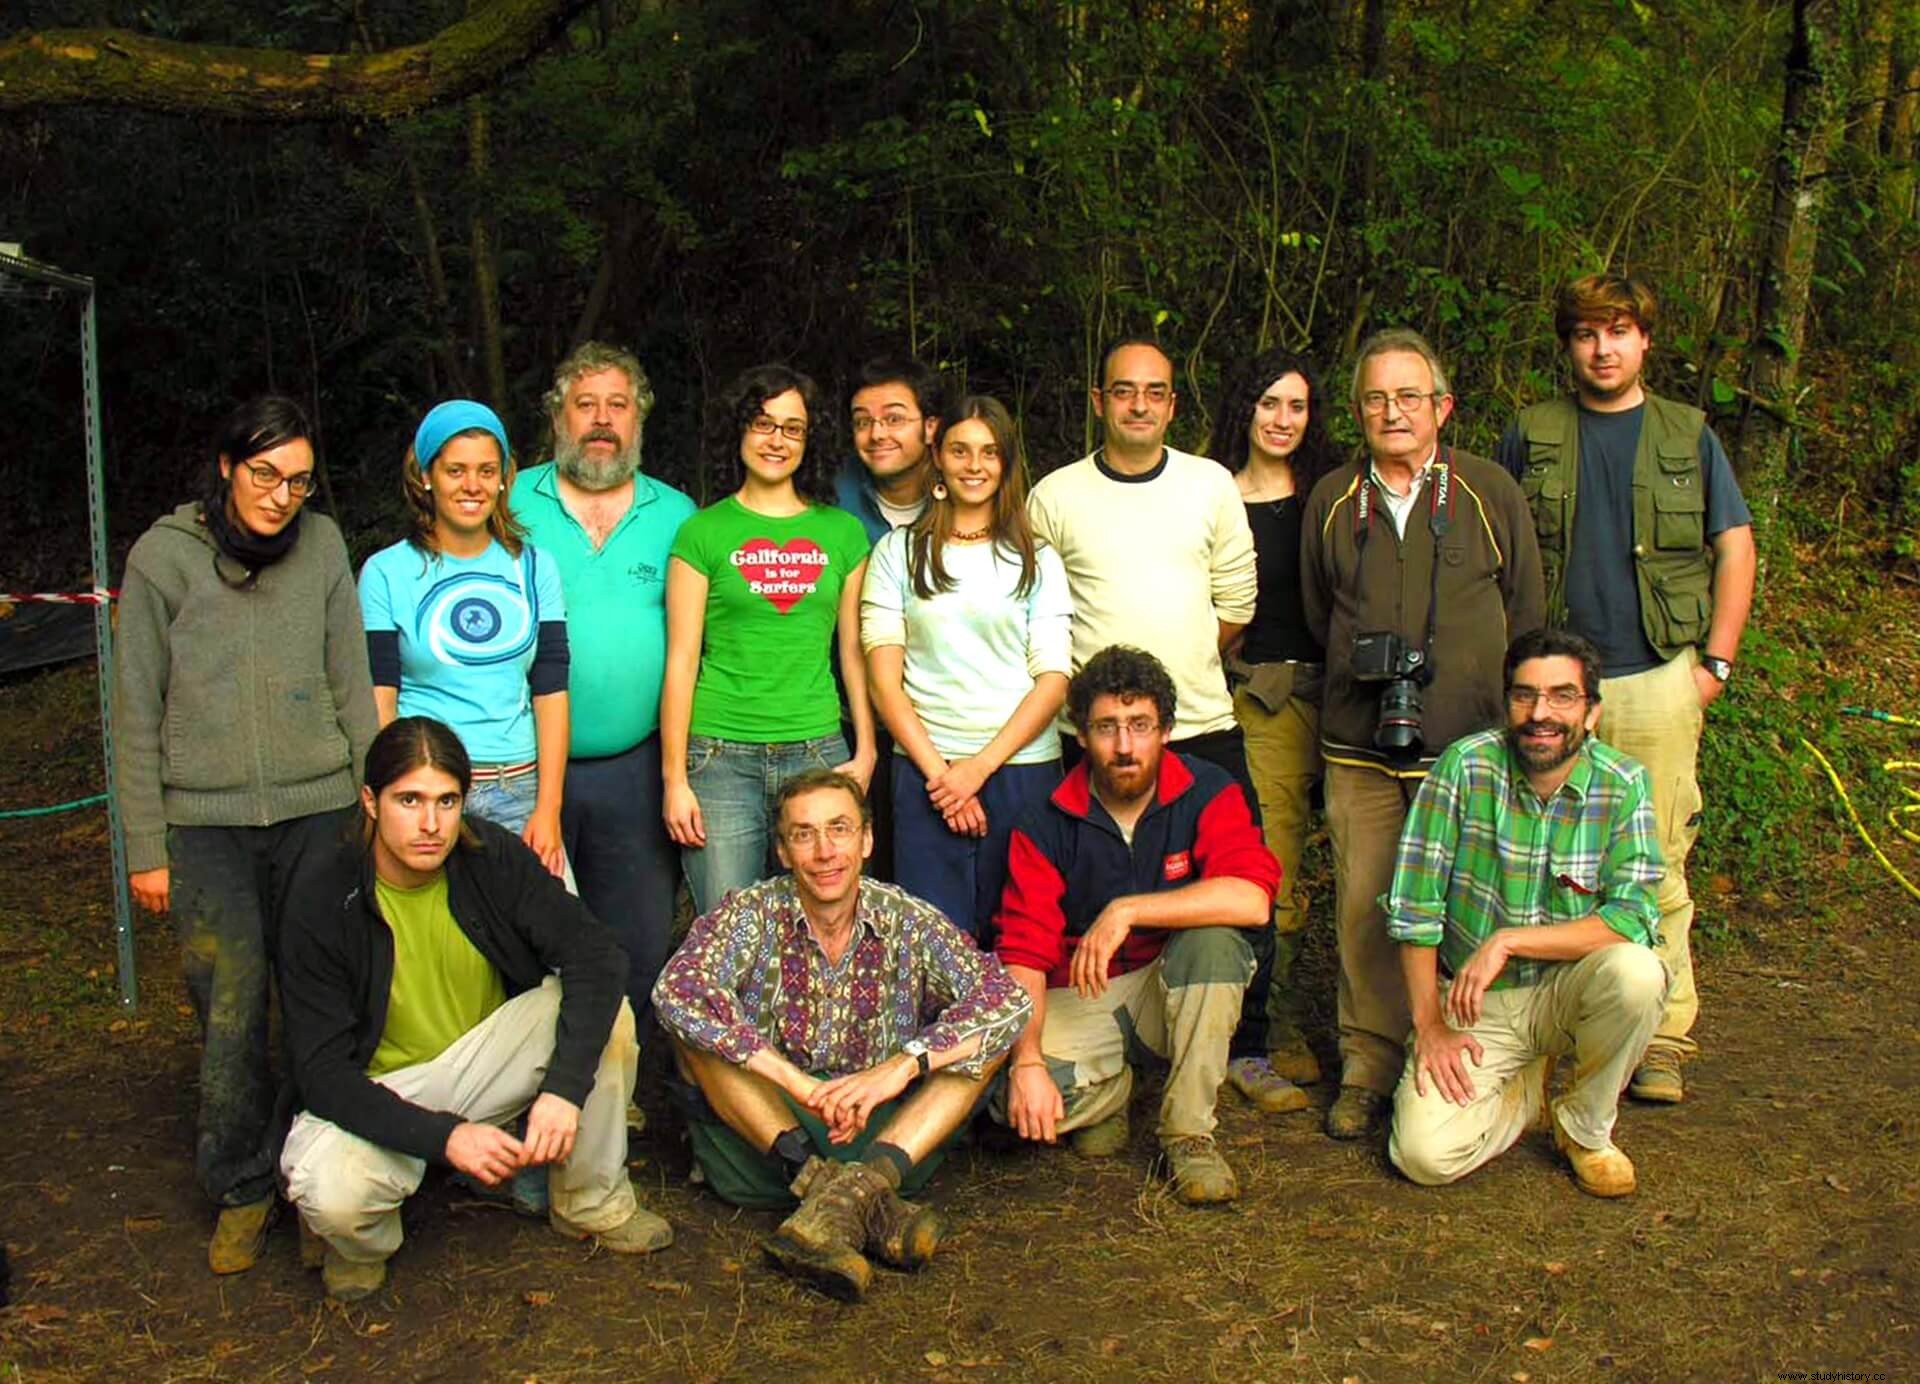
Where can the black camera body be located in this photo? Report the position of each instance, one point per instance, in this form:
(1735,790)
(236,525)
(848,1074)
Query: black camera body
(1381,656)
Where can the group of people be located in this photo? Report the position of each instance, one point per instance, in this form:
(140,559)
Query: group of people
(984,797)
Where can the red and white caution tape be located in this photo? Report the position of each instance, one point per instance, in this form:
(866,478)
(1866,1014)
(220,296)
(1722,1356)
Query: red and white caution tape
(98,596)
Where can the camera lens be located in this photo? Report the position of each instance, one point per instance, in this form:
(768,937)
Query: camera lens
(1398,728)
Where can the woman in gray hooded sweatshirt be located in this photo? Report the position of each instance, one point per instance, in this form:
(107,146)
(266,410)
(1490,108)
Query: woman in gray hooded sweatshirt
(243,710)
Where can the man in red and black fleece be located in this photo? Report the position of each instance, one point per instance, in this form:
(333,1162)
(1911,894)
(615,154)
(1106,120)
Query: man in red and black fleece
(1131,893)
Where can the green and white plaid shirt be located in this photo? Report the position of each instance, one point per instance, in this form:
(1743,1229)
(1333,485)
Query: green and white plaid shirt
(1481,851)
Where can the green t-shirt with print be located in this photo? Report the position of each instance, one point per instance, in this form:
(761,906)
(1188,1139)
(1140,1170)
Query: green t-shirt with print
(442,985)
(773,595)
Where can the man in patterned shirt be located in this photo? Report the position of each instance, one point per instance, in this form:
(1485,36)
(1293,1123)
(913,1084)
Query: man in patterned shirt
(1523,898)
(801,1010)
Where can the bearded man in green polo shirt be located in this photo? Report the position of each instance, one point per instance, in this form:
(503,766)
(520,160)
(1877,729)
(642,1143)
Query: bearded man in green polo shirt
(1524,902)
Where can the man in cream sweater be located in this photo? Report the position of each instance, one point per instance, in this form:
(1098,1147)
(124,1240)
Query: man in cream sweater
(1157,551)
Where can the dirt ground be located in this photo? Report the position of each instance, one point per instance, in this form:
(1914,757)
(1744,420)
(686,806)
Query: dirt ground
(1777,1229)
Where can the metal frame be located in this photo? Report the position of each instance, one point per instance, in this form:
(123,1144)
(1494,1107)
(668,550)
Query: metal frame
(25,278)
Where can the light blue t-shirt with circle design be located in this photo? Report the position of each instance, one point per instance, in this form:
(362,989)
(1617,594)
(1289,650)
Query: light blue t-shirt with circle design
(468,641)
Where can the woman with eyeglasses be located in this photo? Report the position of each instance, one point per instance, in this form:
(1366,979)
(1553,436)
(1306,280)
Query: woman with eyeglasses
(761,587)
(242,714)
(466,624)
(1272,435)
(968,630)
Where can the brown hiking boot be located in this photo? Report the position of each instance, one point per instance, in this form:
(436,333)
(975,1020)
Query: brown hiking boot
(1102,1138)
(1355,1113)
(1295,1061)
(313,1249)
(1657,1078)
(1603,1172)
(240,1235)
(1256,1080)
(821,1242)
(1200,1176)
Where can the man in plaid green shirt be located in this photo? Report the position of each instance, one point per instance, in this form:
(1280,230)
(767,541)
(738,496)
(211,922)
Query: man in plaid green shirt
(1524,900)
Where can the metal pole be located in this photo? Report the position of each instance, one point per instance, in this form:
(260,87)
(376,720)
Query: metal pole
(103,645)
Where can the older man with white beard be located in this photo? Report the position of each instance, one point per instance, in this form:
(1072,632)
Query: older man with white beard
(609,529)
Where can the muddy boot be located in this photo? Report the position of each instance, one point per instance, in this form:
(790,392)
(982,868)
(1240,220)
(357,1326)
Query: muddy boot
(240,1235)
(350,1280)
(821,1241)
(901,1234)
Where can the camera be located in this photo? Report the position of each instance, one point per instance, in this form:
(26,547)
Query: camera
(1382,656)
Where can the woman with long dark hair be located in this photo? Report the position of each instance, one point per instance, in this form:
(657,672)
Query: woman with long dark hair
(968,630)
(243,712)
(760,588)
(466,623)
(1271,432)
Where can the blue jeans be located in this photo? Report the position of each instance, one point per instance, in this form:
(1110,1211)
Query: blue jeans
(962,876)
(623,859)
(504,802)
(735,783)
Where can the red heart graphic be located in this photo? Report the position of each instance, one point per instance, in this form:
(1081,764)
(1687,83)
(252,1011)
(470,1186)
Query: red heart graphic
(782,575)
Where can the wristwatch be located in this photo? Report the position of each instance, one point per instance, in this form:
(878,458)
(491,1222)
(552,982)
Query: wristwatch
(917,1050)
(1721,668)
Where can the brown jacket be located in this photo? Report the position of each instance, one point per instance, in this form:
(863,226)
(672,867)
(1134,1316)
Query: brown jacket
(1489,590)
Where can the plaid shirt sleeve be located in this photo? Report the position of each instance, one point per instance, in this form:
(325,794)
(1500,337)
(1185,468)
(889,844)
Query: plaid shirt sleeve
(1416,901)
(1631,868)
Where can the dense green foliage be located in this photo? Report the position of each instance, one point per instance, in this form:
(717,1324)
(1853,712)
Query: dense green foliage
(997,187)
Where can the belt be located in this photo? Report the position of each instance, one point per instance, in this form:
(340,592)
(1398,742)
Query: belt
(502,772)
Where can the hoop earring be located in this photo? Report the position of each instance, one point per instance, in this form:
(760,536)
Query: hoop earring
(939,490)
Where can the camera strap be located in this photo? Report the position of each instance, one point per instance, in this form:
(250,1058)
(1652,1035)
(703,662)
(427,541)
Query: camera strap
(1439,516)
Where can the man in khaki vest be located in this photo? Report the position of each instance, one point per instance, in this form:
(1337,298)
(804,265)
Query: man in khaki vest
(1648,551)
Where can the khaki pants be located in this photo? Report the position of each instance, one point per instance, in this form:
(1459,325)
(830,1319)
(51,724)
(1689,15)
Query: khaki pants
(1656,717)
(1181,1009)
(1365,810)
(349,1190)
(1601,1008)
(1283,755)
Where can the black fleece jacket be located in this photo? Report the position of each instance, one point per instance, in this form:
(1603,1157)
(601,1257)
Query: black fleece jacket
(336,973)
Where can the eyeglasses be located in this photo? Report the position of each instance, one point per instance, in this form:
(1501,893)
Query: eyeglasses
(1107,727)
(839,831)
(792,429)
(1559,698)
(886,422)
(1125,392)
(265,478)
(1406,400)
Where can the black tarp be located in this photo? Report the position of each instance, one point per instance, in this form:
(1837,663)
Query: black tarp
(39,634)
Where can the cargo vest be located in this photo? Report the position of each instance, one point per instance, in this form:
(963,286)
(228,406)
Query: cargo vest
(1671,557)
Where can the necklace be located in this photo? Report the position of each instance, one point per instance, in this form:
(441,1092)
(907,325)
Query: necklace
(970,535)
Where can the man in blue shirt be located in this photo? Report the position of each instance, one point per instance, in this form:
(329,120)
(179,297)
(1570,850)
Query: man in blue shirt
(896,407)
(609,528)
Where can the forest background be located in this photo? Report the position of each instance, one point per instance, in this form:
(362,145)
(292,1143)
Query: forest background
(373,205)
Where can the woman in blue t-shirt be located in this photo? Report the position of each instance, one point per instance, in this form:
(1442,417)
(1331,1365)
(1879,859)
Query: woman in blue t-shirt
(465,623)
(760,589)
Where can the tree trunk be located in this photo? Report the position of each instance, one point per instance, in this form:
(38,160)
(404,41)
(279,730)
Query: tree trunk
(1785,274)
(1896,184)
(486,279)
(1874,76)
(613,253)
(117,67)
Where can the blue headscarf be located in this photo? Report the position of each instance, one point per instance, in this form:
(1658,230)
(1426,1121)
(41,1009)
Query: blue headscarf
(456,416)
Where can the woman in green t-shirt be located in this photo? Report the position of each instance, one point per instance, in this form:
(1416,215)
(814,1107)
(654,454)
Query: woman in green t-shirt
(759,587)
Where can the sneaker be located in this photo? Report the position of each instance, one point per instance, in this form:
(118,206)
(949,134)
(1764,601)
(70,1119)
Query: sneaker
(240,1235)
(1657,1078)
(1603,1172)
(1355,1113)
(349,1280)
(1295,1061)
(1262,1086)
(1104,1138)
(1200,1176)
(641,1233)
